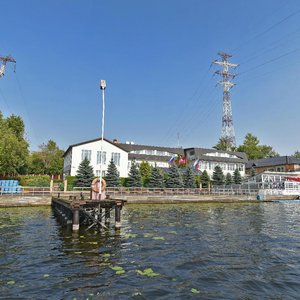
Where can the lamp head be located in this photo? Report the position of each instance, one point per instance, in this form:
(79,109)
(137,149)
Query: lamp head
(102,84)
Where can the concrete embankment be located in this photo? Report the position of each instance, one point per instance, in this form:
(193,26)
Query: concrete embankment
(19,201)
(188,199)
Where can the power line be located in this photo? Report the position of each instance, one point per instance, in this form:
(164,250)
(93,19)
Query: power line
(270,61)
(268,29)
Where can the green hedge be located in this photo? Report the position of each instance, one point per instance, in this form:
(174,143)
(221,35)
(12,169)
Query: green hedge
(39,181)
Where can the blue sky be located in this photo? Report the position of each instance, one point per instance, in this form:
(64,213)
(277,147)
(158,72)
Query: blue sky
(156,58)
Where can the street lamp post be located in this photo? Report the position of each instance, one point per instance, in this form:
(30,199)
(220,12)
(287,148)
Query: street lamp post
(102,87)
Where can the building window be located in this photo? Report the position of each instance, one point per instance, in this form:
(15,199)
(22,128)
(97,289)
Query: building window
(86,154)
(231,167)
(101,159)
(116,158)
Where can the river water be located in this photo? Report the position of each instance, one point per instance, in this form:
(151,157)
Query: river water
(190,251)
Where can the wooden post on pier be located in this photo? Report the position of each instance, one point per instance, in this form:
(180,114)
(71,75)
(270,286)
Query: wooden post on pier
(75,210)
(107,215)
(118,208)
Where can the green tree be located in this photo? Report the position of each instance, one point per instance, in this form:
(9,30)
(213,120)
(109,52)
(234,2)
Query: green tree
(112,177)
(224,145)
(255,151)
(189,179)
(237,178)
(174,179)
(205,179)
(228,179)
(296,154)
(85,174)
(13,146)
(48,160)
(253,172)
(134,176)
(145,170)
(156,179)
(218,176)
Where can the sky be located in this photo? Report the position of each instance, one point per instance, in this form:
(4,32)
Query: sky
(156,57)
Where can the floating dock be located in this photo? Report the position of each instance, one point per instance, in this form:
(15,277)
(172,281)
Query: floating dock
(89,213)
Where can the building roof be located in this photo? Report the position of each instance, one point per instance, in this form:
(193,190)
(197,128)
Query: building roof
(273,161)
(200,153)
(90,141)
(133,147)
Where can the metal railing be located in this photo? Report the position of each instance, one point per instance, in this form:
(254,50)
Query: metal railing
(126,191)
(24,191)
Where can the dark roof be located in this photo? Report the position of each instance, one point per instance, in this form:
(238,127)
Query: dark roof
(145,157)
(273,161)
(133,147)
(90,141)
(200,154)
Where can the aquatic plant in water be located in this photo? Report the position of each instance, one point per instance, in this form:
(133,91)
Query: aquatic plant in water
(147,272)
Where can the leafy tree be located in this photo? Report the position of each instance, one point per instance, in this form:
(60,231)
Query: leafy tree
(205,179)
(224,145)
(267,151)
(48,160)
(252,172)
(112,177)
(228,179)
(218,176)
(255,151)
(134,178)
(145,170)
(174,179)
(85,174)
(156,179)
(237,178)
(13,146)
(189,180)
(296,154)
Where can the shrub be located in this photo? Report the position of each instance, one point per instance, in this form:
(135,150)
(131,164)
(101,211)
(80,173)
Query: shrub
(38,181)
(123,181)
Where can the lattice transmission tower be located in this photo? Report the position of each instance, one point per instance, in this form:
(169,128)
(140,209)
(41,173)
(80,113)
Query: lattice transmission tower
(5,60)
(228,134)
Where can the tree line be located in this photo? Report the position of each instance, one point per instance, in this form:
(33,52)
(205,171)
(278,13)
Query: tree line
(251,146)
(15,157)
(144,175)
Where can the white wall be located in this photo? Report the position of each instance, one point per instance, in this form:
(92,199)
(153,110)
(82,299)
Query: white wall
(94,147)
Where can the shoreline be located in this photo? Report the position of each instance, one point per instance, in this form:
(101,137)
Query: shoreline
(33,201)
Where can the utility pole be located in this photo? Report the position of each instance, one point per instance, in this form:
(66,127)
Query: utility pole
(228,134)
(5,59)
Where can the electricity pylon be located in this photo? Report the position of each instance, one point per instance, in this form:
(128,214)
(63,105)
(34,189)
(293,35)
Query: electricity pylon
(4,60)
(227,123)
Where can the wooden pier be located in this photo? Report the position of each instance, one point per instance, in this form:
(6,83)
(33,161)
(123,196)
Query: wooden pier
(89,213)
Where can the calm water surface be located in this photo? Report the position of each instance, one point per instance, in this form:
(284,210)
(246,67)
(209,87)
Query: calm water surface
(204,251)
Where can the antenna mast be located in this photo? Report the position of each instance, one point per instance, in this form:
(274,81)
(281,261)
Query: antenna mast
(227,123)
(4,60)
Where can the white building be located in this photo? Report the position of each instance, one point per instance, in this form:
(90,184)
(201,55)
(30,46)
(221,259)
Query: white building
(210,158)
(124,153)
(91,150)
